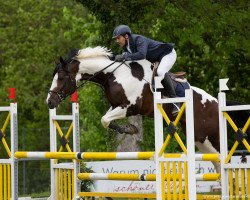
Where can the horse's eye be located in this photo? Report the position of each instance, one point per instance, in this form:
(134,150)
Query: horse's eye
(60,76)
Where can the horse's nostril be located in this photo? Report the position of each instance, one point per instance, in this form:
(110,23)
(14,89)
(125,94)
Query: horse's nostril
(50,104)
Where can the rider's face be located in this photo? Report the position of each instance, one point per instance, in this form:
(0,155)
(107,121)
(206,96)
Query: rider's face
(121,40)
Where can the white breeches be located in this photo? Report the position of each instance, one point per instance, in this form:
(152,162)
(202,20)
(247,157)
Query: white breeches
(166,63)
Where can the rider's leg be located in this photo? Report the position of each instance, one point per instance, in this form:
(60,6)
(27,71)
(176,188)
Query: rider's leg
(168,86)
(170,91)
(165,65)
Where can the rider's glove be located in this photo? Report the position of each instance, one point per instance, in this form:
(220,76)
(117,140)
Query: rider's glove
(119,58)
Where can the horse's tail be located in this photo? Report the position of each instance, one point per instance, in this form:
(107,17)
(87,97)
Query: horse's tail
(239,117)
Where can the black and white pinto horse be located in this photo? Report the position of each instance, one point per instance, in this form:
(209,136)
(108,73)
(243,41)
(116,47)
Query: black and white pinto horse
(128,89)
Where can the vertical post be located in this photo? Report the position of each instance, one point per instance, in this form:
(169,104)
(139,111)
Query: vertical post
(158,127)
(189,158)
(14,148)
(76,142)
(52,114)
(190,144)
(14,144)
(223,145)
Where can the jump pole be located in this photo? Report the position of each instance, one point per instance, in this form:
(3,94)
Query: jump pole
(109,155)
(141,177)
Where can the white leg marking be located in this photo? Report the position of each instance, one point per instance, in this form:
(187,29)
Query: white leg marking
(207,147)
(117,113)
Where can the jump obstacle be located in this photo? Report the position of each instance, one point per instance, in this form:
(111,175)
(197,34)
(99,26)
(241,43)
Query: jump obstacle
(9,167)
(64,184)
(235,178)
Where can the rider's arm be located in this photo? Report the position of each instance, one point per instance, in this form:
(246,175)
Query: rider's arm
(142,47)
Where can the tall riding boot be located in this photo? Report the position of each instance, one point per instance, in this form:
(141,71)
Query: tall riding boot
(170,91)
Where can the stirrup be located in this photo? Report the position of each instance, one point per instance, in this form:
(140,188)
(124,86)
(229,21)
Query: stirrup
(176,108)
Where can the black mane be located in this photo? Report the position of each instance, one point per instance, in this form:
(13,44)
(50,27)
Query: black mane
(71,55)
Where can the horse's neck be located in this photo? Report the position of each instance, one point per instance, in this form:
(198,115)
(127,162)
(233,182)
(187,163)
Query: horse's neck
(102,70)
(101,78)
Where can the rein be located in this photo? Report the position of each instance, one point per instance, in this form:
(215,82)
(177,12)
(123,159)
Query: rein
(62,96)
(95,74)
(142,78)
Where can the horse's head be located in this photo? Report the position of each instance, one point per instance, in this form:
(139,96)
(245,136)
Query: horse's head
(64,81)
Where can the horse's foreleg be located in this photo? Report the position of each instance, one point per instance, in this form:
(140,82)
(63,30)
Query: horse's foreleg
(207,147)
(117,113)
(113,114)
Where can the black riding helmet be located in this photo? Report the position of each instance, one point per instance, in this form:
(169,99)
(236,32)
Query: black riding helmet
(121,30)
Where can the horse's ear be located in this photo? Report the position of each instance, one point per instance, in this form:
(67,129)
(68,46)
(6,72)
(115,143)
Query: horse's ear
(56,61)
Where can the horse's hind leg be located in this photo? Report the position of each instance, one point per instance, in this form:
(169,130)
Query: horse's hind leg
(207,147)
(117,113)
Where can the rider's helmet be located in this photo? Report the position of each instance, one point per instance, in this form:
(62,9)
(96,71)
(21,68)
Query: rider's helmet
(121,30)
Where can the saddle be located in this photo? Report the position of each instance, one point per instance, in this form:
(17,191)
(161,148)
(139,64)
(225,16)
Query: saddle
(178,76)
(179,81)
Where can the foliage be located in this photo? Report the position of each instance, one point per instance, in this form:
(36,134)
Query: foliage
(33,34)
(211,45)
(85,185)
(211,39)
(210,36)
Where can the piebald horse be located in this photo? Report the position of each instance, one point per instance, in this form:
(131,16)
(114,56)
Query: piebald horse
(127,86)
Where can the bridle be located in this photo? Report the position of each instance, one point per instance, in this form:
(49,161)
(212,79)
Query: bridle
(62,96)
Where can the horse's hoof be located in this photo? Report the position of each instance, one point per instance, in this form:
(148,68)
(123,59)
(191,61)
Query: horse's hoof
(127,129)
(130,129)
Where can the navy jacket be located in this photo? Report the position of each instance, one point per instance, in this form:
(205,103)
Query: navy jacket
(146,48)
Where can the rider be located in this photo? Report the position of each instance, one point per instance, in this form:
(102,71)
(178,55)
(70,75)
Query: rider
(138,47)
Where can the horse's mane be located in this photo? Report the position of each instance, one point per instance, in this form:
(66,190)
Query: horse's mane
(93,52)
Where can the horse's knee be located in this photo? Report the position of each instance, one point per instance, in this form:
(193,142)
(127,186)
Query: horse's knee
(217,167)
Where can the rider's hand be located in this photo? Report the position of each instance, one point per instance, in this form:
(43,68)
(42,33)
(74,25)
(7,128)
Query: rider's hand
(119,58)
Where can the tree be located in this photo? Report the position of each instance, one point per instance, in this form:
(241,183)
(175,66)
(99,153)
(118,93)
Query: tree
(210,36)
(33,34)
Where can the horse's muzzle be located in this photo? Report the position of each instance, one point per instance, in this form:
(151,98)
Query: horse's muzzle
(51,105)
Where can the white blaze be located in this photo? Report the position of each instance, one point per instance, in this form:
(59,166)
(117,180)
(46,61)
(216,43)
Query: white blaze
(53,85)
